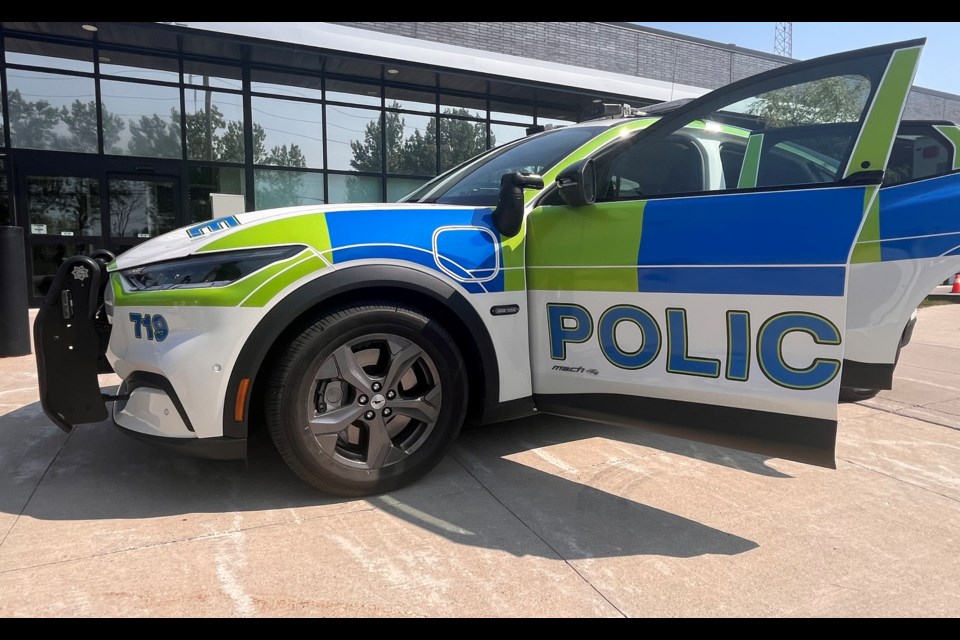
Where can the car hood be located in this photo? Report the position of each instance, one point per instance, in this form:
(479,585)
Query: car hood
(304,222)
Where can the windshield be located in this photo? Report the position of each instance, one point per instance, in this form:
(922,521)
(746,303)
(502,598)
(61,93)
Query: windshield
(477,182)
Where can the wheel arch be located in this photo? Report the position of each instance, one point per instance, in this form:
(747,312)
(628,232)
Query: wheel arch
(391,283)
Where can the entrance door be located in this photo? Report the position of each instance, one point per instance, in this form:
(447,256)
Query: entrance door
(63,207)
(140,208)
(74,205)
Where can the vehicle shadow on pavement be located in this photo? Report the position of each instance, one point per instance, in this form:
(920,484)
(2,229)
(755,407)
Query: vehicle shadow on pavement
(476,496)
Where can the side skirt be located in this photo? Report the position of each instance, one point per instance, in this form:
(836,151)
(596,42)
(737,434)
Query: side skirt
(867,375)
(802,439)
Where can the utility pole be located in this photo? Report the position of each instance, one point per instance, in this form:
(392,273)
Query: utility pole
(783,39)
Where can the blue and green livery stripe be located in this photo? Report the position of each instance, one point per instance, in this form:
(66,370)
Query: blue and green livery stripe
(952,133)
(254,290)
(751,162)
(576,250)
(513,248)
(678,245)
(867,247)
(876,137)
(308,228)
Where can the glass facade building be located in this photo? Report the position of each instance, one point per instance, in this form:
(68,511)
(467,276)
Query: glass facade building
(115,132)
(113,136)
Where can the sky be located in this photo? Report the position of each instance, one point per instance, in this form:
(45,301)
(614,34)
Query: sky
(938,63)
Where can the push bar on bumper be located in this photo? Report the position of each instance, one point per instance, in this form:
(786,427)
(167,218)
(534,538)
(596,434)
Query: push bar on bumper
(70,336)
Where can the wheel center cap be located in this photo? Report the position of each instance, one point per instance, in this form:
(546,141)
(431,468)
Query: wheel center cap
(377,401)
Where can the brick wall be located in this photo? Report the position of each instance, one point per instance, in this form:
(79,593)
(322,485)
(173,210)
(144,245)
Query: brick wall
(635,52)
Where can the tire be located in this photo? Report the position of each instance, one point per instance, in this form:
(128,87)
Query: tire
(854,394)
(367,399)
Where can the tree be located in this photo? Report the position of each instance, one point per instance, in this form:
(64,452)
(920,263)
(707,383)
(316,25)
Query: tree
(230,144)
(419,154)
(368,153)
(836,99)
(32,124)
(80,119)
(202,140)
(459,140)
(156,137)
(284,156)
(128,204)
(281,188)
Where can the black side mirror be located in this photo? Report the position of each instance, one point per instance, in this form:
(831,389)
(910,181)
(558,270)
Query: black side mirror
(508,216)
(578,184)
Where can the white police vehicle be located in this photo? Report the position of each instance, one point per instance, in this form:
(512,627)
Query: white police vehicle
(720,268)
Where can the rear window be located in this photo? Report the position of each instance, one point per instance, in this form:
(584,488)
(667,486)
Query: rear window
(915,156)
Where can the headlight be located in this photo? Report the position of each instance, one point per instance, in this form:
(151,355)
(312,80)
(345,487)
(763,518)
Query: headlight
(206,269)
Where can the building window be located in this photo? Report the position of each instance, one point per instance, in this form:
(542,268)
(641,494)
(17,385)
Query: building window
(133,66)
(411,144)
(410,100)
(511,112)
(3,126)
(206,180)
(141,208)
(399,187)
(53,111)
(61,57)
(287,133)
(286,85)
(353,92)
(463,106)
(140,119)
(555,116)
(504,133)
(4,195)
(63,205)
(353,139)
(217,76)
(287,188)
(461,139)
(354,189)
(214,124)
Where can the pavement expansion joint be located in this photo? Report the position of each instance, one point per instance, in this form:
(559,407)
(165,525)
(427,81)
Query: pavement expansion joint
(893,477)
(541,538)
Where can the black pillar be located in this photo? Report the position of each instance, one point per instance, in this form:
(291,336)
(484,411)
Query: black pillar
(14,317)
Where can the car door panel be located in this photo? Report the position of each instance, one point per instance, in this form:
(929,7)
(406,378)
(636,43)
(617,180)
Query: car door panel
(718,316)
(748,263)
(917,246)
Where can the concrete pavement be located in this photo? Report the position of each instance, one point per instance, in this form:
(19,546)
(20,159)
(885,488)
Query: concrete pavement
(542,517)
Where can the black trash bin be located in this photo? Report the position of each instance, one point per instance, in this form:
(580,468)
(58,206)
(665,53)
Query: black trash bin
(14,315)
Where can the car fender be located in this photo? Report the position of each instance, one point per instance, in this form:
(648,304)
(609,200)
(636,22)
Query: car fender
(354,279)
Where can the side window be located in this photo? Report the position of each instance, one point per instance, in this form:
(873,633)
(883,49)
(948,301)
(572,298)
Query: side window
(798,129)
(915,156)
(676,164)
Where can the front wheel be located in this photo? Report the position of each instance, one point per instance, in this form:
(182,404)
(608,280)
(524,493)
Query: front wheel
(367,399)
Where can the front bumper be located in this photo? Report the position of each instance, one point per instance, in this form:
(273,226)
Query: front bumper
(71,335)
(147,408)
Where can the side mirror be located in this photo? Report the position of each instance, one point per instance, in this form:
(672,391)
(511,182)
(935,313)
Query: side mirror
(578,184)
(508,216)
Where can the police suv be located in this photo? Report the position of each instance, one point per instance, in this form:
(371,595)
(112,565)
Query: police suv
(716,269)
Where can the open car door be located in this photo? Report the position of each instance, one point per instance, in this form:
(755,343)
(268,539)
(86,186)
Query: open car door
(700,285)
